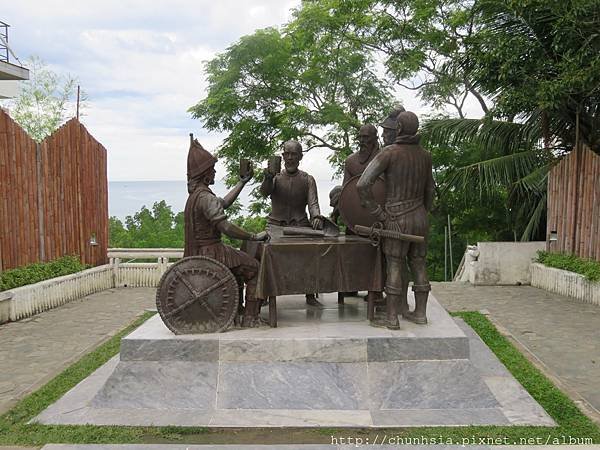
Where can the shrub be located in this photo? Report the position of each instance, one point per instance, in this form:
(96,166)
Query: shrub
(36,272)
(590,269)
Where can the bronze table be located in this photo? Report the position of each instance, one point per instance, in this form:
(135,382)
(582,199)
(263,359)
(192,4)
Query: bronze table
(297,265)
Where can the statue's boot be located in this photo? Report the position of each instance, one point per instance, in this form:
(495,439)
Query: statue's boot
(252,308)
(250,317)
(404,308)
(311,300)
(419,316)
(378,301)
(391,320)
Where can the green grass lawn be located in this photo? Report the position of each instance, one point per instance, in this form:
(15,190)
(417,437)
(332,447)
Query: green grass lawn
(572,424)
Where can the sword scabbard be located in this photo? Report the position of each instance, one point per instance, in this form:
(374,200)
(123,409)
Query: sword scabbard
(388,234)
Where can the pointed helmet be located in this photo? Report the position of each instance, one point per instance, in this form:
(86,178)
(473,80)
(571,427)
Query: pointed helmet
(199,159)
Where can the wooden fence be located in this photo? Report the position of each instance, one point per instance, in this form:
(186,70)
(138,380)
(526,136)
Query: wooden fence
(574,205)
(53,195)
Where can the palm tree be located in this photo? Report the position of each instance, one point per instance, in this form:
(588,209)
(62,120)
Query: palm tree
(539,62)
(510,159)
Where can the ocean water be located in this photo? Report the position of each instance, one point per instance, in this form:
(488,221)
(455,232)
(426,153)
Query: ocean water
(125,198)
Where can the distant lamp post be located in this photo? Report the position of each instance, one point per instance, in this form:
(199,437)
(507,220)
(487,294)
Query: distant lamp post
(93,241)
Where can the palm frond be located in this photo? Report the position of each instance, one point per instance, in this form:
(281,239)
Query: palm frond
(493,136)
(535,217)
(490,174)
(534,183)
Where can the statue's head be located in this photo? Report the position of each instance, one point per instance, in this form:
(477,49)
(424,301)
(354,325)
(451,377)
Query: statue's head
(334,196)
(208,177)
(367,137)
(390,125)
(292,154)
(408,124)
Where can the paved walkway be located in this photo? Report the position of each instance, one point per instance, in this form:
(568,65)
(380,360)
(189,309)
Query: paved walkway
(34,350)
(562,333)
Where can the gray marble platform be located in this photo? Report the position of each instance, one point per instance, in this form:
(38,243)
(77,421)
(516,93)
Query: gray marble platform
(321,368)
(331,334)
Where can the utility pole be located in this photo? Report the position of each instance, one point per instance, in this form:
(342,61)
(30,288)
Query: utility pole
(445,253)
(450,249)
(78,102)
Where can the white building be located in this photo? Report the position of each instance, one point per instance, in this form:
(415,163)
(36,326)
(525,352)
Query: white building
(10,74)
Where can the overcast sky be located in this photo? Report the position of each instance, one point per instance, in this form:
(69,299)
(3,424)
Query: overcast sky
(141,64)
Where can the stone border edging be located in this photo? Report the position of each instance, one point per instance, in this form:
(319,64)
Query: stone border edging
(566,283)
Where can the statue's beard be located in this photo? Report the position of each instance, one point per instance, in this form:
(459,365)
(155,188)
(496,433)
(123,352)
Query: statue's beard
(291,166)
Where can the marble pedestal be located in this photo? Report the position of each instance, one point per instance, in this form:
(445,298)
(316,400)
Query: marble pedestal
(322,367)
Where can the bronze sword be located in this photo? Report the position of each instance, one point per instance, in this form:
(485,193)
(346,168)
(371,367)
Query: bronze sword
(377,232)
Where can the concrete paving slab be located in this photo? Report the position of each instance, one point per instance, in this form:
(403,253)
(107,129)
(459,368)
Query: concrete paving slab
(561,333)
(36,349)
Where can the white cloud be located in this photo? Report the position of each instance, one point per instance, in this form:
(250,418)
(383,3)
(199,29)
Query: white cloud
(141,65)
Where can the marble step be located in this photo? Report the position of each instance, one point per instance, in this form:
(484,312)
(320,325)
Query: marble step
(306,335)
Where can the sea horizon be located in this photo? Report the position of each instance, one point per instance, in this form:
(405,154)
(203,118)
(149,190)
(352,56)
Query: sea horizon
(125,198)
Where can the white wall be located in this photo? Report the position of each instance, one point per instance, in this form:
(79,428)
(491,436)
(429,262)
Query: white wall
(499,263)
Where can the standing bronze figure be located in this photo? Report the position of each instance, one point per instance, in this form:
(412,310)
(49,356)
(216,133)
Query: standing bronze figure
(409,190)
(390,126)
(390,130)
(292,191)
(200,293)
(357,162)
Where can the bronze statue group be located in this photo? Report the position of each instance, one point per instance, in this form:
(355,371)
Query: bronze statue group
(403,165)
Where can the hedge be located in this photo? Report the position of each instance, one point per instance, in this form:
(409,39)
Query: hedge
(36,272)
(590,269)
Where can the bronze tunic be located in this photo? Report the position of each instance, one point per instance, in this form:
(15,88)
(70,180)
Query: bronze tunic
(356,165)
(290,196)
(409,189)
(203,212)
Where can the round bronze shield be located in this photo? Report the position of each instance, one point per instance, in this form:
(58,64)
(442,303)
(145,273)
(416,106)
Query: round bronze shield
(351,210)
(197,295)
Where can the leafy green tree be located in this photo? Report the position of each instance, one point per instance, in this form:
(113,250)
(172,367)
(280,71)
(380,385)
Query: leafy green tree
(474,218)
(300,83)
(161,228)
(533,67)
(417,41)
(156,228)
(45,100)
(539,62)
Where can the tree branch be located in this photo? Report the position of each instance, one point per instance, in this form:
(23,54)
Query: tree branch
(477,95)
(323,142)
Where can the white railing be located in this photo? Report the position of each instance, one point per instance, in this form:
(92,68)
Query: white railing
(565,283)
(145,253)
(26,301)
(132,274)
